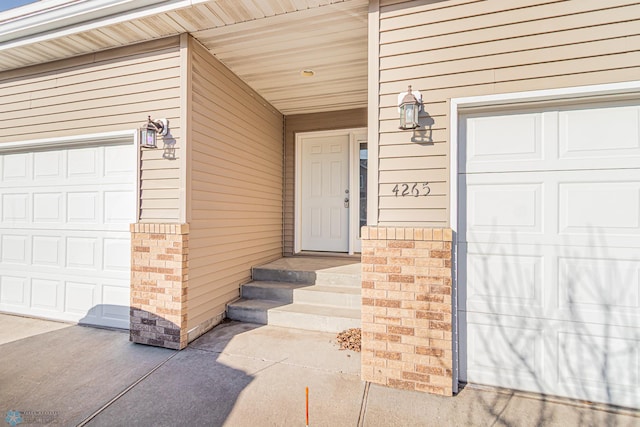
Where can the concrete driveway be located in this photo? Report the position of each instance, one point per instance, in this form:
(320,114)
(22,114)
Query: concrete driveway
(236,375)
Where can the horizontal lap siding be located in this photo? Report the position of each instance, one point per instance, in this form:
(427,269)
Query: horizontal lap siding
(460,48)
(107,91)
(297,123)
(236,185)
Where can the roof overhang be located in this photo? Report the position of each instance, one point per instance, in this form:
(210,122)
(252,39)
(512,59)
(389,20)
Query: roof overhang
(265,42)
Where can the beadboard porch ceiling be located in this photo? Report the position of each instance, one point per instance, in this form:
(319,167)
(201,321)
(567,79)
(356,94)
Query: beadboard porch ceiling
(267,43)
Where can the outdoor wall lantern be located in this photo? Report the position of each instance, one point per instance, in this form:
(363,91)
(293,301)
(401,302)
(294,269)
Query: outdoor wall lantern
(150,130)
(409,106)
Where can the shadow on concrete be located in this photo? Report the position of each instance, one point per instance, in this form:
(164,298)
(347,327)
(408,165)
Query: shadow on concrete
(81,375)
(192,388)
(69,372)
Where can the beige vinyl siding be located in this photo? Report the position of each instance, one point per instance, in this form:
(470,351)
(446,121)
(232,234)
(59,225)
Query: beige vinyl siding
(107,91)
(235,186)
(308,123)
(459,48)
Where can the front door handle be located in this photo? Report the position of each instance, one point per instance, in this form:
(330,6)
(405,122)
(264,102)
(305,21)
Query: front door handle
(346,202)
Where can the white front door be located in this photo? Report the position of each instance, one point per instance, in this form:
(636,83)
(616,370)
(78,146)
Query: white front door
(549,251)
(325,195)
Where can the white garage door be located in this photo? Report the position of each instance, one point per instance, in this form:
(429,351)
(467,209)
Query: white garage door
(549,251)
(64,233)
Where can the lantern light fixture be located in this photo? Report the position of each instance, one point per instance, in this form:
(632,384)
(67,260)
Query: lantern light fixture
(409,106)
(150,130)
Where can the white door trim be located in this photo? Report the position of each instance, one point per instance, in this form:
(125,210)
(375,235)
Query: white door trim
(356,136)
(119,137)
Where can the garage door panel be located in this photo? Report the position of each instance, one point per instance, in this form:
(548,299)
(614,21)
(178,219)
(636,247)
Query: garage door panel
(117,255)
(589,362)
(113,164)
(13,290)
(499,281)
(65,240)
(82,253)
(82,207)
(548,251)
(15,208)
(604,289)
(496,139)
(14,249)
(551,208)
(47,207)
(47,165)
(513,352)
(117,206)
(79,297)
(503,207)
(571,283)
(115,304)
(612,206)
(590,133)
(46,251)
(603,361)
(596,363)
(82,163)
(510,207)
(572,139)
(46,294)
(15,168)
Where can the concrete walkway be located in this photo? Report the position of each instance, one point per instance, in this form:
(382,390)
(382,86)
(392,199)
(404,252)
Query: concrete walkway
(236,375)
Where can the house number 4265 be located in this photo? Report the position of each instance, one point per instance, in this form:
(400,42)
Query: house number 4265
(416,189)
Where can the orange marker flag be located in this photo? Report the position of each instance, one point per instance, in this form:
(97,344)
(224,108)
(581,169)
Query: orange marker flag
(307,393)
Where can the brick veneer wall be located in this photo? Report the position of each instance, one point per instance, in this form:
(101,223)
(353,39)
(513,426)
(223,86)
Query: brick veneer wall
(406,308)
(159,275)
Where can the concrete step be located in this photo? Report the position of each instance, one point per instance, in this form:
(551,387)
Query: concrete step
(348,275)
(336,296)
(251,310)
(314,317)
(274,291)
(263,274)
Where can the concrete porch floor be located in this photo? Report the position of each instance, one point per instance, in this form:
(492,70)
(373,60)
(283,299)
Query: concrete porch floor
(346,264)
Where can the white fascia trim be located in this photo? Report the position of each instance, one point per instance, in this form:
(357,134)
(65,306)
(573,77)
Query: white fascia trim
(546,95)
(58,18)
(106,138)
(568,93)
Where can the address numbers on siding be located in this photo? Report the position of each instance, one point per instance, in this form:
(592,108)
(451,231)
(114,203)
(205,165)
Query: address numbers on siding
(415,189)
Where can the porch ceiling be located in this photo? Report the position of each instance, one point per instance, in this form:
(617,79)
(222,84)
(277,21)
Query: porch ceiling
(267,43)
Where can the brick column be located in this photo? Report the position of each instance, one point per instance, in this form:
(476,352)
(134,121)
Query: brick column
(159,275)
(406,308)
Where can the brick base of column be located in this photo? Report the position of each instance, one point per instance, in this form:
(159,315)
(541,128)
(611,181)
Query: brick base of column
(406,308)
(159,275)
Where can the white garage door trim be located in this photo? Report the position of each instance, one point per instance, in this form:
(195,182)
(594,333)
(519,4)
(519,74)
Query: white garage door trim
(95,288)
(460,106)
